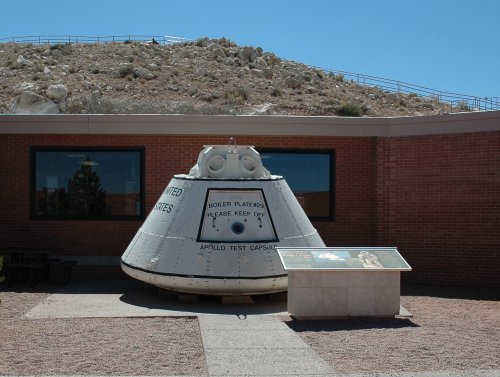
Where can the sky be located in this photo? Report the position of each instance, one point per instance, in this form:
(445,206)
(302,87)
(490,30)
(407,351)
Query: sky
(447,45)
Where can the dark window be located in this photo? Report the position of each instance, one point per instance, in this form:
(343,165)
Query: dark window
(87,183)
(310,175)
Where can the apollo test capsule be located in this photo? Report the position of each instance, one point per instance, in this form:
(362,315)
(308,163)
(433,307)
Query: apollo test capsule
(215,230)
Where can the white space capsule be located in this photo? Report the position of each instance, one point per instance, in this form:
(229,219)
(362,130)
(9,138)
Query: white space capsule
(214,231)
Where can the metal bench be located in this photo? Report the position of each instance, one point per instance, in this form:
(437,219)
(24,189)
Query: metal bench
(30,264)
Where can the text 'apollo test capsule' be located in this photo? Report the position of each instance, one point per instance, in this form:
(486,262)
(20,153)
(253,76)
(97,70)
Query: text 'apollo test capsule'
(214,231)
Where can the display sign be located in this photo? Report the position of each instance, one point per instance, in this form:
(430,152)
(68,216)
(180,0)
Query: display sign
(342,258)
(236,216)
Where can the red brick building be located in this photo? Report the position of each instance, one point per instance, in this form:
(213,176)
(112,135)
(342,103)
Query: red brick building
(429,186)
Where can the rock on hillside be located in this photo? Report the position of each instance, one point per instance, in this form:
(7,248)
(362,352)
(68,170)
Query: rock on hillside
(208,76)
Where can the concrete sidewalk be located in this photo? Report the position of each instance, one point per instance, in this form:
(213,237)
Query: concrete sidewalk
(257,346)
(238,340)
(129,298)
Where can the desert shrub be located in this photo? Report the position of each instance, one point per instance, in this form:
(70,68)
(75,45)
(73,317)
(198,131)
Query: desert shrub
(37,67)
(462,106)
(201,42)
(276,91)
(236,95)
(10,61)
(307,76)
(126,69)
(75,106)
(349,110)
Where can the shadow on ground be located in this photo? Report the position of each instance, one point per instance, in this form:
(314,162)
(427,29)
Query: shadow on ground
(149,297)
(346,324)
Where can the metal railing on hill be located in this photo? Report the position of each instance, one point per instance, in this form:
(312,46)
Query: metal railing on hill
(456,102)
(55,39)
(450,102)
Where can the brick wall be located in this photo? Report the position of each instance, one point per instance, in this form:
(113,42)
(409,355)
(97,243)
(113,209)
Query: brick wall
(438,201)
(165,156)
(436,198)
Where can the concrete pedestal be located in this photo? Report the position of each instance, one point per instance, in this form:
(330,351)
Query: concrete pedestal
(334,293)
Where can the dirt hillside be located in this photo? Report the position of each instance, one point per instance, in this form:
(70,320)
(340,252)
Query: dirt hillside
(208,76)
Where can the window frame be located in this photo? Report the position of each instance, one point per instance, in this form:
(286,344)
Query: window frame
(332,185)
(72,149)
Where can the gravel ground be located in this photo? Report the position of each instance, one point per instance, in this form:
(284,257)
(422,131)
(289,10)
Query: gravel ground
(450,330)
(95,346)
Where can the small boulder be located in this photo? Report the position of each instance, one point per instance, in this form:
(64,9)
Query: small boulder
(247,53)
(263,109)
(268,74)
(32,103)
(216,50)
(143,73)
(258,73)
(202,72)
(260,63)
(292,82)
(25,86)
(62,106)
(56,53)
(21,62)
(125,69)
(202,42)
(61,49)
(57,91)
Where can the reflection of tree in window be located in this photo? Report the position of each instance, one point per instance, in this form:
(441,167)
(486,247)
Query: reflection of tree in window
(51,201)
(85,196)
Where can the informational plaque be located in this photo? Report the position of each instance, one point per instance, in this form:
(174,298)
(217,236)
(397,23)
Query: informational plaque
(342,258)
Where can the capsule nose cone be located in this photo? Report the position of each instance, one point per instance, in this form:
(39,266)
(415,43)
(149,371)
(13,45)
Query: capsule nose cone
(218,235)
